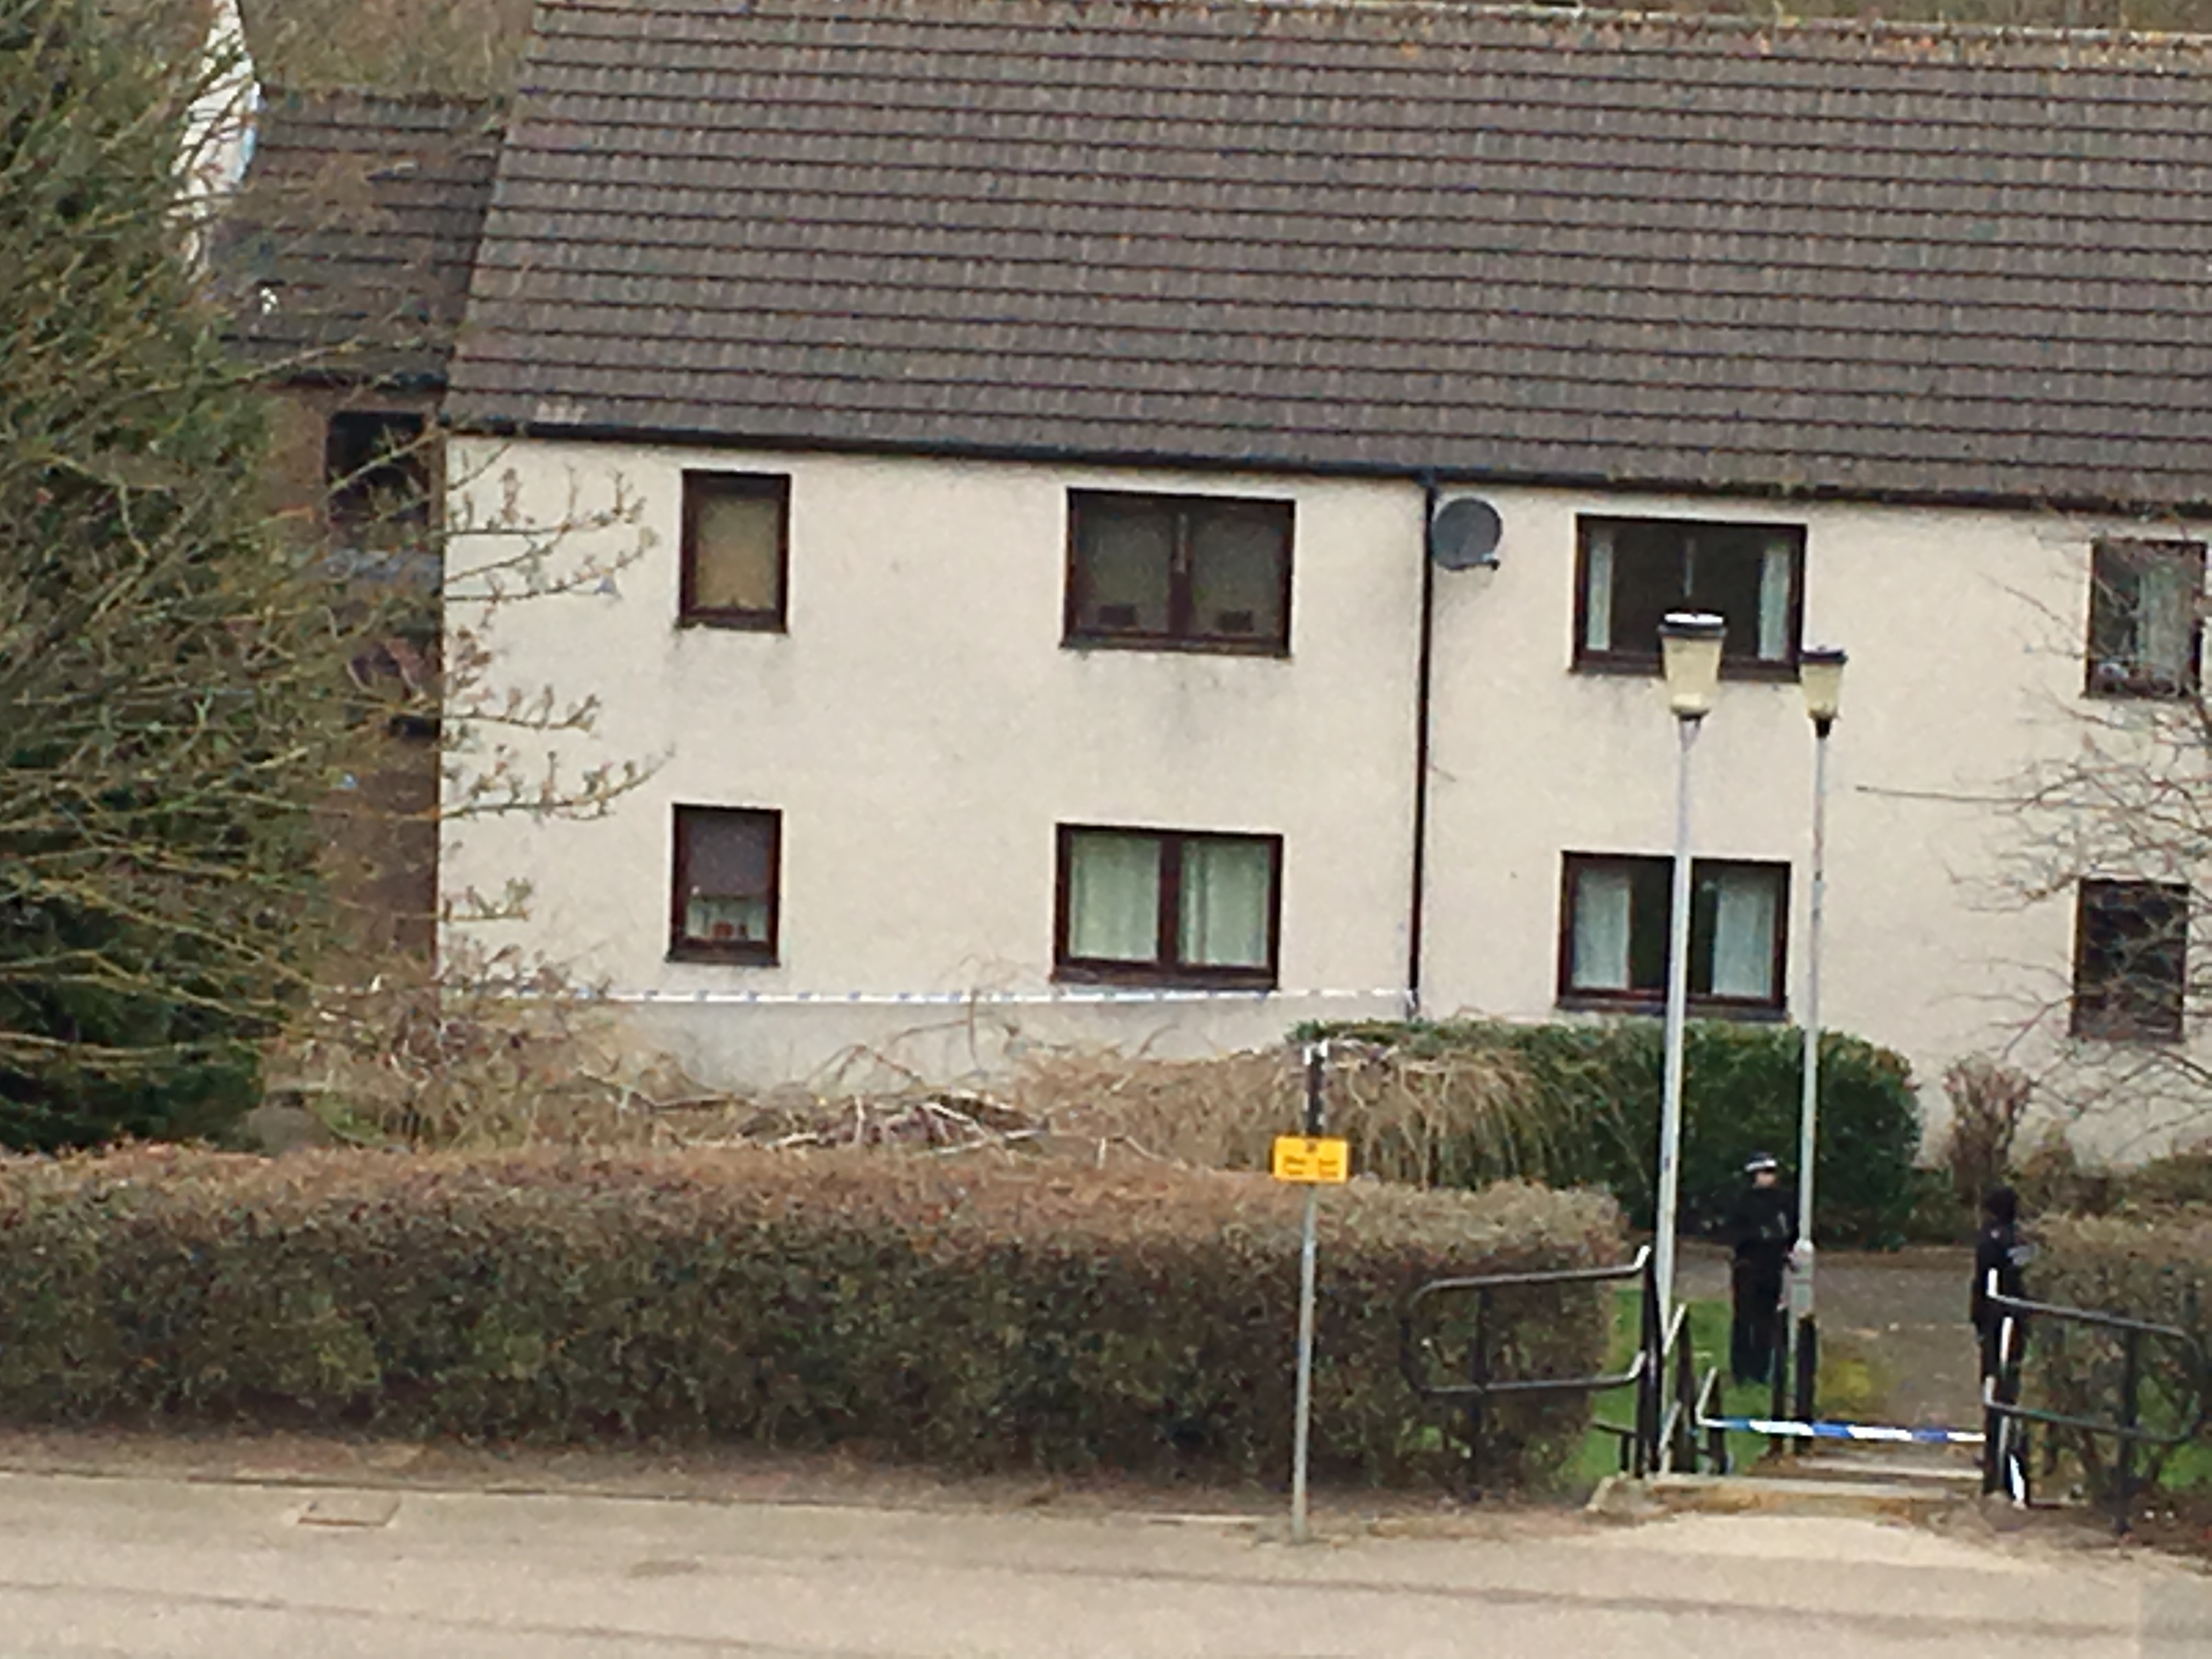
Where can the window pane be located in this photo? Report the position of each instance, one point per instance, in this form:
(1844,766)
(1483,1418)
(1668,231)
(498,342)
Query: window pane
(2164,617)
(1236,572)
(1774,585)
(1728,571)
(737,553)
(1650,902)
(1736,916)
(1113,897)
(1225,903)
(1597,596)
(2111,616)
(1598,958)
(1125,555)
(728,862)
(1638,570)
(1649,564)
(2131,958)
(2145,600)
(377,469)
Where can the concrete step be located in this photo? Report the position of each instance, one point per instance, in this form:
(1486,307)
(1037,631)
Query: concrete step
(1767,1494)
(1884,1466)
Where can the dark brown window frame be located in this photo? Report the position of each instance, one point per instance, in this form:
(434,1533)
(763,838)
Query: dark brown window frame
(2097,684)
(1733,667)
(700,482)
(2099,1023)
(1180,635)
(1163,970)
(682,946)
(1576,999)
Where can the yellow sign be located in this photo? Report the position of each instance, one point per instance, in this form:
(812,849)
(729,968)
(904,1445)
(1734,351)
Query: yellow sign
(1312,1161)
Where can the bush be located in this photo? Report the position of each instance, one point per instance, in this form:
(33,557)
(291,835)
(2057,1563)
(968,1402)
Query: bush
(1988,1101)
(983,1315)
(2150,1267)
(1462,1120)
(1600,1082)
(2180,1180)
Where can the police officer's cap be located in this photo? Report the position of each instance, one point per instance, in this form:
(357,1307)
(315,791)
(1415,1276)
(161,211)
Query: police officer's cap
(1760,1161)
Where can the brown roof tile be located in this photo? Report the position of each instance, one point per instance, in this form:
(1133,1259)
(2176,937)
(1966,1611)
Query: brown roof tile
(1697,253)
(350,247)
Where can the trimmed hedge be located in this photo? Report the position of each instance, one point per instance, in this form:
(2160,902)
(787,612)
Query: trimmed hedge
(986,1314)
(2153,1266)
(1599,1083)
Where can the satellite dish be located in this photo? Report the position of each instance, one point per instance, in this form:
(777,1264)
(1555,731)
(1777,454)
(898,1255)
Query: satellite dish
(1463,535)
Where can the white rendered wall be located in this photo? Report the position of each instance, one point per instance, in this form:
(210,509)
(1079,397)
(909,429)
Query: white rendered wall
(1966,633)
(923,730)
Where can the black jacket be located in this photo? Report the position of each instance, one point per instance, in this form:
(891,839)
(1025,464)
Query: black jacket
(1763,1226)
(1997,1248)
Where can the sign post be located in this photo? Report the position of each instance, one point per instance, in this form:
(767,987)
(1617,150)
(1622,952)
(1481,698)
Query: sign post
(1310,1160)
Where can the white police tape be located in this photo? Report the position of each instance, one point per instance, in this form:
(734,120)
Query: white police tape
(1880,1431)
(1086,994)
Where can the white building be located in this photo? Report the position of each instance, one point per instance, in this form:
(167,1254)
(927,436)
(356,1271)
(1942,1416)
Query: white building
(1030,417)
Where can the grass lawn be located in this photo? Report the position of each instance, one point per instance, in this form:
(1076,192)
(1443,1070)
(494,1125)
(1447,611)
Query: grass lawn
(1849,1388)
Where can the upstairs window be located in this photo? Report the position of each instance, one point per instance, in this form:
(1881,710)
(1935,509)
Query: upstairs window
(736,549)
(1193,572)
(2146,601)
(1632,571)
(1616,925)
(1166,906)
(727,869)
(376,471)
(2130,958)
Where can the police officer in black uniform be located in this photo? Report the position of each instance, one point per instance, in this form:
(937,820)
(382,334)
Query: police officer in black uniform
(2000,1254)
(1763,1226)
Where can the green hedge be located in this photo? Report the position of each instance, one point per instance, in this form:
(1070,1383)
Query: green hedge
(2149,1266)
(1598,1084)
(984,1313)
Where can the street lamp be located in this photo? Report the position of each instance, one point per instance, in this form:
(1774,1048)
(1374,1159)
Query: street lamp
(1690,653)
(1820,673)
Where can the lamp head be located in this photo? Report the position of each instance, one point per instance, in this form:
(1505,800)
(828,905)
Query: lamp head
(1820,673)
(1690,654)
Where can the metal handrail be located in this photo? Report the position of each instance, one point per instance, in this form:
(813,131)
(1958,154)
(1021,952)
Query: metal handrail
(1641,1371)
(2001,1394)
(1671,1413)
(1677,1436)
(1717,1446)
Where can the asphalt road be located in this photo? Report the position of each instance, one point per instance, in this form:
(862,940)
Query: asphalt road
(115,1566)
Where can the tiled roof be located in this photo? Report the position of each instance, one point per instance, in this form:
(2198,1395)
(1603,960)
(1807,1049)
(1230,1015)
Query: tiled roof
(348,251)
(1698,253)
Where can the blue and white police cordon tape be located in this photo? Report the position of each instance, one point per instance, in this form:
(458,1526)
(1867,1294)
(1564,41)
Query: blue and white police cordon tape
(1881,1432)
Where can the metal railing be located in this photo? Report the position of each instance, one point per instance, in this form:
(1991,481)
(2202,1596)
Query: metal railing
(1677,1445)
(1641,1445)
(2004,1447)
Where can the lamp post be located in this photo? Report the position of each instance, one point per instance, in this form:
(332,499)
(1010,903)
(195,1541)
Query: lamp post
(1820,673)
(1690,653)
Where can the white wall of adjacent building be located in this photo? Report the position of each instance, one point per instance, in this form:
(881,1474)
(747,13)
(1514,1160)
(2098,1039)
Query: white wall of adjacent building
(923,733)
(922,729)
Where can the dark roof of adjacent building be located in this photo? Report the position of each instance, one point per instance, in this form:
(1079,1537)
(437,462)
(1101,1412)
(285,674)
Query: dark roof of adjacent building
(348,251)
(1691,253)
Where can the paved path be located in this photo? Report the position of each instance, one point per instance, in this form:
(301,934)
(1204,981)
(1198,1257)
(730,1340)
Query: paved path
(138,1568)
(1904,1312)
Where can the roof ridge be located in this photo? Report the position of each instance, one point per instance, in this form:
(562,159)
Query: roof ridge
(273,91)
(1687,23)
(1690,23)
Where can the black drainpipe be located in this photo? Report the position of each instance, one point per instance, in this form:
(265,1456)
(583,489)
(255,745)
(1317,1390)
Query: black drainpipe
(1420,896)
